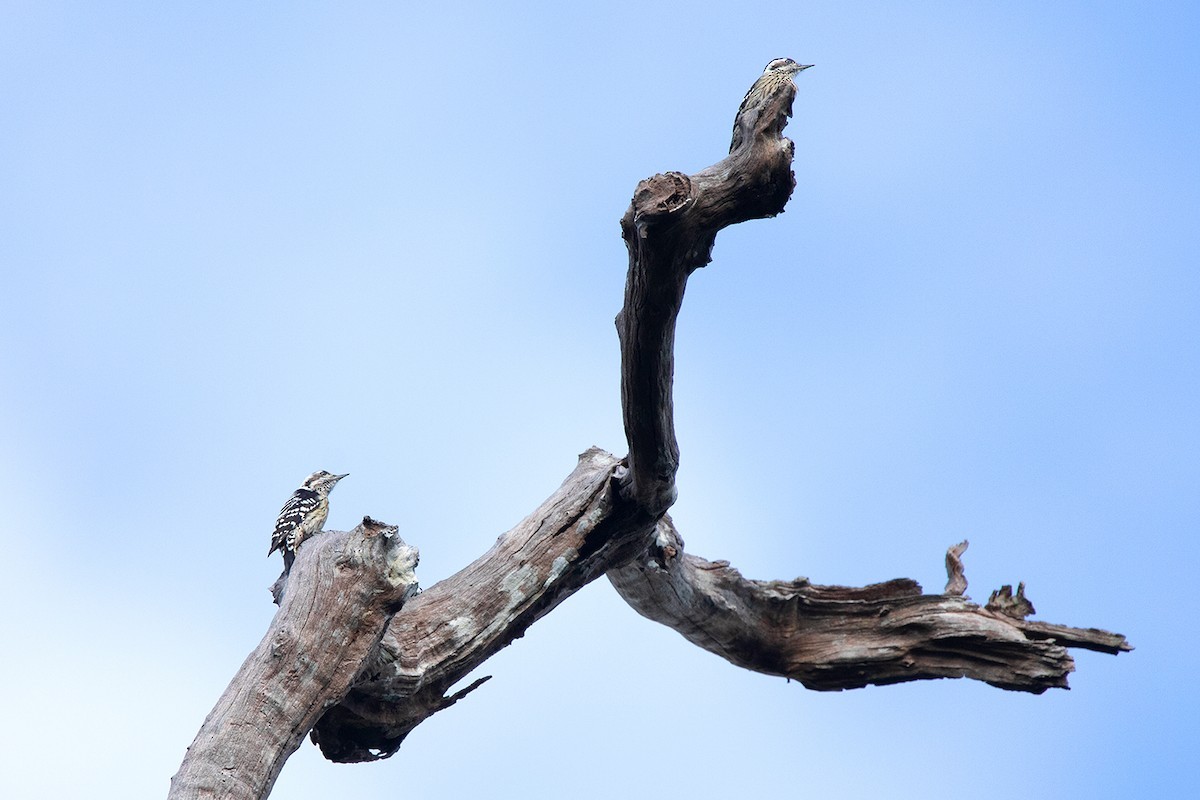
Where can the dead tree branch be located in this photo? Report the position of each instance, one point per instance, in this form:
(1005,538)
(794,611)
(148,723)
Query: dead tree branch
(826,637)
(342,591)
(838,637)
(669,231)
(575,536)
(608,517)
(586,528)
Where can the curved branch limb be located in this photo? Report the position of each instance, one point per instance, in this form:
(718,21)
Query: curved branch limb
(833,637)
(579,533)
(343,589)
(669,231)
(606,518)
(588,526)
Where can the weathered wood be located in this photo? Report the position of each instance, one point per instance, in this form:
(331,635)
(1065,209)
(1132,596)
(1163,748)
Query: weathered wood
(575,536)
(956,578)
(837,637)
(608,517)
(1084,638)
(669,230)
(343,589)
(827,637)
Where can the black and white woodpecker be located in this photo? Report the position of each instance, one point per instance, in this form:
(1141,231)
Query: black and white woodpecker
(303,515)
(777,74)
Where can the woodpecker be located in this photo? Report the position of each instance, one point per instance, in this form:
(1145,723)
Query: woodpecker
(779,73)
(303,515)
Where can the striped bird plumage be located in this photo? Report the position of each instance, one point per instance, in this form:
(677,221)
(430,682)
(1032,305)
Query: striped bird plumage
(303,515)
(777,74)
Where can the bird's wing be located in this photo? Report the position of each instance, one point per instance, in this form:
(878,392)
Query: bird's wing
(737,128)
(291,515)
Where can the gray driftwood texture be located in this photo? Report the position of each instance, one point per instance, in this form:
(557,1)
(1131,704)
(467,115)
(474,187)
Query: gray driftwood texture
(333,611)
(324,668)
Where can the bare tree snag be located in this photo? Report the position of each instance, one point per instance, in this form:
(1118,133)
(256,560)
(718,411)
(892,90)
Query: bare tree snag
(343,589)
(669,231)
(445,632)
(365,694)
(837,637)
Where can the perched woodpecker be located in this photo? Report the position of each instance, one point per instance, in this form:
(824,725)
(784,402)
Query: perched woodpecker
(778,74)
(303,515)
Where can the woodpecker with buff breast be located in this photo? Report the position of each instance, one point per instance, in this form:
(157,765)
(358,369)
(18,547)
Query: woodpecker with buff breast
(303,515)
(778,74)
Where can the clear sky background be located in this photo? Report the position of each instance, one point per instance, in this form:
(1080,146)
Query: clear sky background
(244,242)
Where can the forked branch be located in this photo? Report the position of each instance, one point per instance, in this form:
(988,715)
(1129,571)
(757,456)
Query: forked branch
(826,637)
(608,517)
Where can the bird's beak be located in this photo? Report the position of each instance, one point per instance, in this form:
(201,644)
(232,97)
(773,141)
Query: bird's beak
(803,67)
(339,477)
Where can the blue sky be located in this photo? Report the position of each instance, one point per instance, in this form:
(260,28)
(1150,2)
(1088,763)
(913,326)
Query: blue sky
(242,244)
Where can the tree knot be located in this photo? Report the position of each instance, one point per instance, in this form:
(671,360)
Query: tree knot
(661,196)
